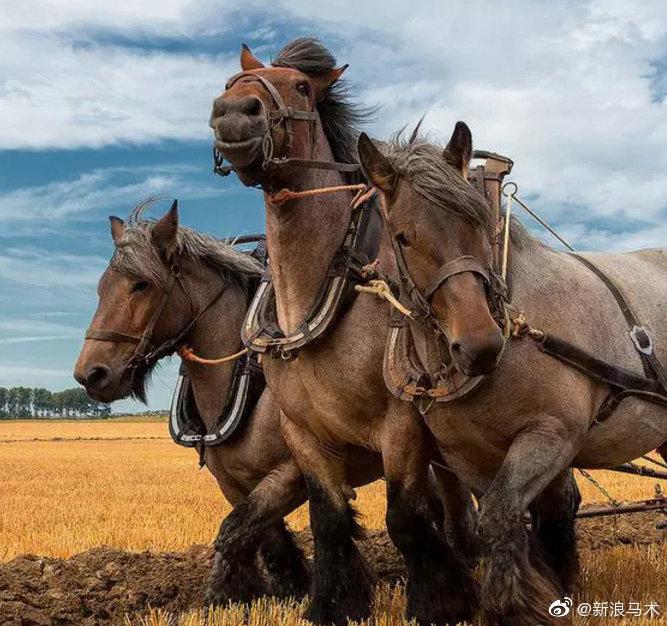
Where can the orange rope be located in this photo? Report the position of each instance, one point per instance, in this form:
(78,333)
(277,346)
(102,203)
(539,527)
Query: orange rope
(188,355)
(285,195)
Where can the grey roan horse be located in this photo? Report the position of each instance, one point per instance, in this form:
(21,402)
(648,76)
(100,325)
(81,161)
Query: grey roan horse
(515,436)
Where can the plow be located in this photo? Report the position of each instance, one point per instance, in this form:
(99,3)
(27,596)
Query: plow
(658,503)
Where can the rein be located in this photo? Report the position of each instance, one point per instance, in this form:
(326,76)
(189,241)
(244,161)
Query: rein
(280,115)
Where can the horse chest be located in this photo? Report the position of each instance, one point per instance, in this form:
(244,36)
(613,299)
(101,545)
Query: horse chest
(322,397)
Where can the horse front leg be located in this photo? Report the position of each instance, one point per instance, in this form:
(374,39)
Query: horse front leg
(458,512)
(236,572)
(554,514)
(514,590)
(342,582)
(285,563)
(440,588)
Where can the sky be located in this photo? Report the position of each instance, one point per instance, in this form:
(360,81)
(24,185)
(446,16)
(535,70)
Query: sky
(105,103)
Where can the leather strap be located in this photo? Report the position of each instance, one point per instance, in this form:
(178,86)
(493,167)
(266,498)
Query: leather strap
(113,336)
(460,265)
(314,164)
(638,333)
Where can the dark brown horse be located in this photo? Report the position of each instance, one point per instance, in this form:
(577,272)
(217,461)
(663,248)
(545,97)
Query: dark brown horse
(514,438)
(290,125)
(254,464)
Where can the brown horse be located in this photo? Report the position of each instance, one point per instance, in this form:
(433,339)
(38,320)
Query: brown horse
(514,437)
(290,125)
(129,292)
(255,461)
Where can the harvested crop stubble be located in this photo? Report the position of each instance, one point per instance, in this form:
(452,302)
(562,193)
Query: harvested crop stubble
(141,494)
(622,574)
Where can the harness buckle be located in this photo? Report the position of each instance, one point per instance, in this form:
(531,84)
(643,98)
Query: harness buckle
(642,340)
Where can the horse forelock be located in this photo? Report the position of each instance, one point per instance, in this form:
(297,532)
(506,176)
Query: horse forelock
(339,114)
(423,166)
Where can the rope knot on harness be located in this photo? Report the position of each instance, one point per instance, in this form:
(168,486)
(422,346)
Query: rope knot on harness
(381,289)
(521,327)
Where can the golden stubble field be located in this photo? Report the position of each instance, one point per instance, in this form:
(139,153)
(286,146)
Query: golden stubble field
(69,486)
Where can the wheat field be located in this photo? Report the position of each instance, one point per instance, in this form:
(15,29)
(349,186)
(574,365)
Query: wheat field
(125,484)
(69,486)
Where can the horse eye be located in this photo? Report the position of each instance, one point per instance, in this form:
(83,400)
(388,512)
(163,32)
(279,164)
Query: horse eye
(303,88)
(400,237)
(139,286)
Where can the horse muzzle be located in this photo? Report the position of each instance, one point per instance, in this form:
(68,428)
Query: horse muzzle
(102,383)
(476,356)
(240,125)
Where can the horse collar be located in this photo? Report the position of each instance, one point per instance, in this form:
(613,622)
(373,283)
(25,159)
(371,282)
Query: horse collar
(185,423)
(261,332)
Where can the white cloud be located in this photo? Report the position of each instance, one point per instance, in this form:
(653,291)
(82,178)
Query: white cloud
(58,94)
(106,187)
(563,87)
(27,267)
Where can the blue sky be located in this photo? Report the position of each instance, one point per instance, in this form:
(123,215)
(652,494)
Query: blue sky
(106,103)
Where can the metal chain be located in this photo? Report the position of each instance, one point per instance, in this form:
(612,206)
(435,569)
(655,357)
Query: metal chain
(511,195)
(613,501)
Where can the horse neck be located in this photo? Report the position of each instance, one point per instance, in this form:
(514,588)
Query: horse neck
(302,238)
(216,334)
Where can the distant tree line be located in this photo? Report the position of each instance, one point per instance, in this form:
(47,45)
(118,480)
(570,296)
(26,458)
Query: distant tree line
(37,402)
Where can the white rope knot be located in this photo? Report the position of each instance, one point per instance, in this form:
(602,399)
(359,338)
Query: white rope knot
(382,290)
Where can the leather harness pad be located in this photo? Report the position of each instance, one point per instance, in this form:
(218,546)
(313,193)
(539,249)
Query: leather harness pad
(185,424)
(406,379)
(261,333)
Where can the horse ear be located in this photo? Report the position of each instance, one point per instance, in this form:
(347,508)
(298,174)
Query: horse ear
(459,149)
(376,166)
(248,60)
(165,230)
(324,82)
(117,227)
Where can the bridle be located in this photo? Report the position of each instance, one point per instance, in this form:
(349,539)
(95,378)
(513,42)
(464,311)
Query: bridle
(279,115)
(143,357)
(494,286)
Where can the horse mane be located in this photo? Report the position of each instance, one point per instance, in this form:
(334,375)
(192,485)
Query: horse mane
(137,255)
(422,164)
(340,115)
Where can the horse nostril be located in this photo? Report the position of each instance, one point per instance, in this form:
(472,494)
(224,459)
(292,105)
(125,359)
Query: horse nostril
(252,106)
(97,376)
